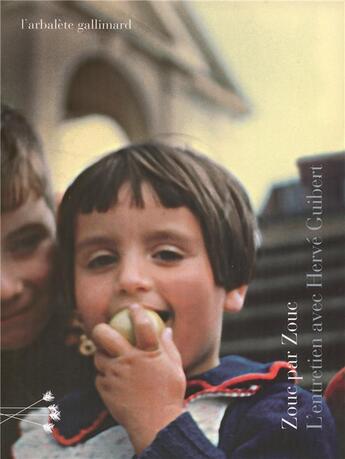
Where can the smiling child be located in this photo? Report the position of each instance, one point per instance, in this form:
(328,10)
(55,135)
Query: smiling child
(34,358)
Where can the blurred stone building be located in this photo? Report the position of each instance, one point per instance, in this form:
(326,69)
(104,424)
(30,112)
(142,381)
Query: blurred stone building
(159,75)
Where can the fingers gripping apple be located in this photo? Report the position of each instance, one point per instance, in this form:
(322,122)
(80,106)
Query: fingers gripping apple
(122,323)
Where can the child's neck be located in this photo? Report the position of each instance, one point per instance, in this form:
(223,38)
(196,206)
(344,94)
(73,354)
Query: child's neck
(202,367)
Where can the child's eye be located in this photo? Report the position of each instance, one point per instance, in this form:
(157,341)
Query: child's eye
(26,244)
(168,255)
(101,261)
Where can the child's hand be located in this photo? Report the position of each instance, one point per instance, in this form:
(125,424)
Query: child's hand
(143,386)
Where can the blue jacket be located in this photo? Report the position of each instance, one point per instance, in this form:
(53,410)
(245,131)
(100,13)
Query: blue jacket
(260,420)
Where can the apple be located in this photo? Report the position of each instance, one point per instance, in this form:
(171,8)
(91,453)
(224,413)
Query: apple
(122,323)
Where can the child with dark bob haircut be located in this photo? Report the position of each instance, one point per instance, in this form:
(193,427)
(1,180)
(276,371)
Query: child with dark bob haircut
(178,178)
(157,229)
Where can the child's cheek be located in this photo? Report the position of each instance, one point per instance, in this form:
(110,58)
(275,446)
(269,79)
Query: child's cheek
(40,267)
(93,300)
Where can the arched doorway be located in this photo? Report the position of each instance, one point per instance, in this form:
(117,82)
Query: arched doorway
(98,86)
(102,111)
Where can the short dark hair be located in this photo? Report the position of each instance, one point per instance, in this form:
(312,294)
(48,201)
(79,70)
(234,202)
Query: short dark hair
(179,177)
(24,170)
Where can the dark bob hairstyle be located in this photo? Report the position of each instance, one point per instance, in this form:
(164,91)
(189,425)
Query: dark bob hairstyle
(179,177)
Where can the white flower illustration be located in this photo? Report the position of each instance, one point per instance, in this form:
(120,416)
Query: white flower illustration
(48,396)
(55,415)
(48,427)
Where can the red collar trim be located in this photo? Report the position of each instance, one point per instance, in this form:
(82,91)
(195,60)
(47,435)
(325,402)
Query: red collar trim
(83,432)
(228,385)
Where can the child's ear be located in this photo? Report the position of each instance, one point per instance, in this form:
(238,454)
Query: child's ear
(235,298)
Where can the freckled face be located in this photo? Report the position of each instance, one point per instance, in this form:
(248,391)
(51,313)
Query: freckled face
(155,256)
(27,245)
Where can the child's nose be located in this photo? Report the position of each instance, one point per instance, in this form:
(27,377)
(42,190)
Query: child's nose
(133,276)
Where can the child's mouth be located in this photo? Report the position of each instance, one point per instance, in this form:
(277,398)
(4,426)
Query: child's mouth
(165,315)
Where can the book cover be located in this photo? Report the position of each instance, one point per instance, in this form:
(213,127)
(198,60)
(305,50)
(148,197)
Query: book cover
(257,86)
